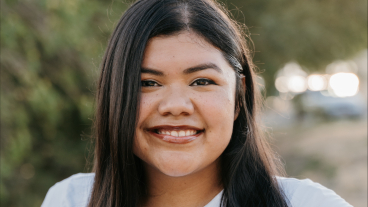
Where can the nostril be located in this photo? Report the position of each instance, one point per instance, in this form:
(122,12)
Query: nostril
(176,107)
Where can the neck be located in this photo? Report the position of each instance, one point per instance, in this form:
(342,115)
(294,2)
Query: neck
(196,189)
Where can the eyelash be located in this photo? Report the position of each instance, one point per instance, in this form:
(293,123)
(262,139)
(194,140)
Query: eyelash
(149,81)
(209,82)
(154,83)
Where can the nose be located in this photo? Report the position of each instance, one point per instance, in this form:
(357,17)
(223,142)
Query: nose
(176,102)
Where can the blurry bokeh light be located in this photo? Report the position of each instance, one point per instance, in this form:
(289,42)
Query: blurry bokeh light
(286,96)
(344,84)
(281,84)
(293,68)
(317,82)
(297,84)
(340,66)
(291,79)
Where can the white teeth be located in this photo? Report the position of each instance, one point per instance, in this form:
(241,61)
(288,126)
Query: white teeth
(174,133)
(188,132)
(181,133)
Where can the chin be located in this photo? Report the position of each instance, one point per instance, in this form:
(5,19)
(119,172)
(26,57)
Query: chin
(176,171)
(177,165)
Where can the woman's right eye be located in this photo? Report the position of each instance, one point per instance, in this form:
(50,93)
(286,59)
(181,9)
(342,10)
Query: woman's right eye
(149,83)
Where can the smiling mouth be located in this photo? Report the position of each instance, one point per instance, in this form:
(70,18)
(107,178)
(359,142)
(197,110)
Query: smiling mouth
(177,135)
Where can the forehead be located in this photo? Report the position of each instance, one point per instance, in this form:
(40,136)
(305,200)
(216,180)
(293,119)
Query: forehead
(181,51)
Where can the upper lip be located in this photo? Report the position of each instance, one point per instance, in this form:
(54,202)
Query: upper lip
(174,127)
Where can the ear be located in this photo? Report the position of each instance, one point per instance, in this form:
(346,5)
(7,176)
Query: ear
(237,110)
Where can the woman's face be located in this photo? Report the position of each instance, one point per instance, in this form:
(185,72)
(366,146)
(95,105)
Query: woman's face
(187,105)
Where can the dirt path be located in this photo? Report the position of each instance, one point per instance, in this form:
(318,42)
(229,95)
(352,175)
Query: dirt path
(333,154)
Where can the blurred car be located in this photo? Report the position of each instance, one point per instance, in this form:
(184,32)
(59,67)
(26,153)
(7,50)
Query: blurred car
(320,103)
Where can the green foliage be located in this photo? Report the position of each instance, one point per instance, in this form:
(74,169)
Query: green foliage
(51,50)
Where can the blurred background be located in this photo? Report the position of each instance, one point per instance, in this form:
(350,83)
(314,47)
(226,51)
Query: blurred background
(312,63)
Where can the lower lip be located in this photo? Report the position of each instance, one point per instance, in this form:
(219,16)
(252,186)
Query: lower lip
(176,140)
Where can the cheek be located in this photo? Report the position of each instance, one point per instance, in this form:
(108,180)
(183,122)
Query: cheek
(147,109)
(147,104)
(141,145)
(219,105)
(217,110)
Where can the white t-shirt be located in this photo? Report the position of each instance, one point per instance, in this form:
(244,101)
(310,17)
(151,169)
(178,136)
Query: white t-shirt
(75,191)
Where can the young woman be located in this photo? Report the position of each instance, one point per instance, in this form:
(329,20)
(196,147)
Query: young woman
(176,121)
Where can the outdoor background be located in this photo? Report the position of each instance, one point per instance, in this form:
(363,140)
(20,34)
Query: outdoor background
(311,55)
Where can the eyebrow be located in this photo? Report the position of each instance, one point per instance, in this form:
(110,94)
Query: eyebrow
(186,71)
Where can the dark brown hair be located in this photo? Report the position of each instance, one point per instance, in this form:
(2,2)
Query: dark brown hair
(248,166)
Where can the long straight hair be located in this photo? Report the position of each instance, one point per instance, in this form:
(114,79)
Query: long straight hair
(248,166)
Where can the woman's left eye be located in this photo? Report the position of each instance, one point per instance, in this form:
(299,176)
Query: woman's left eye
(203,82)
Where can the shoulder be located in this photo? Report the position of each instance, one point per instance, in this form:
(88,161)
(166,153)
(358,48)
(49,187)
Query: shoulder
(73,191)
(305,193)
